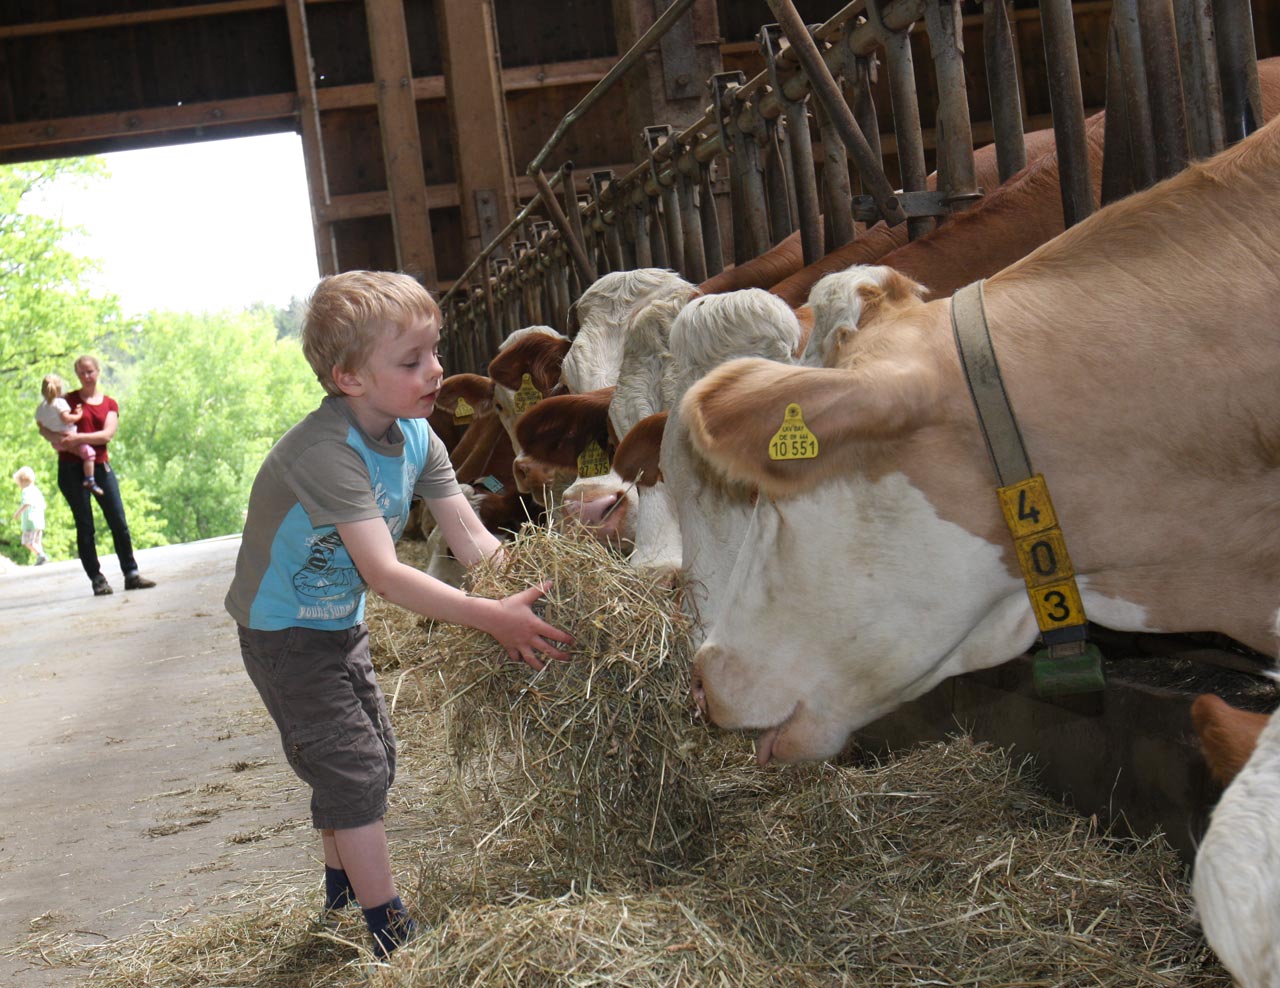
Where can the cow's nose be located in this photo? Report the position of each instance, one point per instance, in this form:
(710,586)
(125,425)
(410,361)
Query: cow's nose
(697,684)
(699,694)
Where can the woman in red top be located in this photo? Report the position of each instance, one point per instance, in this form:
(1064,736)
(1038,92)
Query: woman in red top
(101,416)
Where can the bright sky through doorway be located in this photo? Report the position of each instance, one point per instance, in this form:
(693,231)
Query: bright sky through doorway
(199,227)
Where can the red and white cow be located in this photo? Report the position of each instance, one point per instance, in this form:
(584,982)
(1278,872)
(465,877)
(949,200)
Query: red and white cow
(1140,351)
(1236,884)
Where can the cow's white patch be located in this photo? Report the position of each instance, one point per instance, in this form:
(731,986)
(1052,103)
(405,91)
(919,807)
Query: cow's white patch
(848,602)
(1236,885)
(657,533)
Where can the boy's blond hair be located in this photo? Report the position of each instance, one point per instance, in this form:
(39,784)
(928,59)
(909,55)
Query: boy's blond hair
(348,312)
(24,473)
(51,387)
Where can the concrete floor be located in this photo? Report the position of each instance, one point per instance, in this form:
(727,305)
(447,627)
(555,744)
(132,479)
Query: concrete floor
(134,750)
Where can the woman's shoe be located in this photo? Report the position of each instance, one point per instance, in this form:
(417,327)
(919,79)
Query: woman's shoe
(41,559)
(101,588)
(136,582)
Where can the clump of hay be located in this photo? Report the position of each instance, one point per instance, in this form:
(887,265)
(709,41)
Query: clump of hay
(601,755)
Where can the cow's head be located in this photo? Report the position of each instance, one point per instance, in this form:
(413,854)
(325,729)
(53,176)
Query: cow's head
(852,592)
(535,352)
(602,316)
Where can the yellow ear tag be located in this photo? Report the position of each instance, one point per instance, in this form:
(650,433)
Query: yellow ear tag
(793,441)
(527,396)
(593,461)
(462,412)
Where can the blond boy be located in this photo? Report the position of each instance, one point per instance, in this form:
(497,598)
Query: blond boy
(325,511)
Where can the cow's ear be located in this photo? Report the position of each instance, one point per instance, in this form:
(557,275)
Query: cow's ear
(736,413)
(475,389)
(891,290)
(636,458)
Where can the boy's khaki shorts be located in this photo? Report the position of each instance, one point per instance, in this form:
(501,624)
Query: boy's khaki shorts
(320,689)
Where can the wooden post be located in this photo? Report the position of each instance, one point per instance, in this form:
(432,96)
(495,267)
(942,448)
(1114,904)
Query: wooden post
(401,145)
(477,114)
(312,145)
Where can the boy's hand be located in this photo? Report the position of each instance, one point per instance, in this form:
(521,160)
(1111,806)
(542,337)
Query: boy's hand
(522,633)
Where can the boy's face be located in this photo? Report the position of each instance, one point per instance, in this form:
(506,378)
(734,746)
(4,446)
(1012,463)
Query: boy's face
(401,378)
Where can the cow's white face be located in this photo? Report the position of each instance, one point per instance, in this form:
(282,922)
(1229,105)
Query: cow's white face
(845,603)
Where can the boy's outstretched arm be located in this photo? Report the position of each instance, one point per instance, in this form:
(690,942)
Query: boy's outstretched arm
(510,621)
(467,538)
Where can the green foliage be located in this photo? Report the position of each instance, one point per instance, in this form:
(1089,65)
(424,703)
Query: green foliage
(211,394)
(47,319)
(202,397)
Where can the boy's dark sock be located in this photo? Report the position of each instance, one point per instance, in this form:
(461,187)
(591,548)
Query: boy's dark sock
(338,893)
(391,926)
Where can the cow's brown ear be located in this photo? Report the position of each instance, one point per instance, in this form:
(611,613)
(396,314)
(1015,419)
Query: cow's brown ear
(736,413)
(477,390)
(636,458)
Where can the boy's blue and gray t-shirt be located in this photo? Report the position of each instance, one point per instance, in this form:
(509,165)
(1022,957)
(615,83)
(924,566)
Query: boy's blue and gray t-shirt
(293,570)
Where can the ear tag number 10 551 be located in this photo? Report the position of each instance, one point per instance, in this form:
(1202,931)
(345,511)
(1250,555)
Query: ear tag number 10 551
(793,440)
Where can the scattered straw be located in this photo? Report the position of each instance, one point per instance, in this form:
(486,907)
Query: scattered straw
(941,866)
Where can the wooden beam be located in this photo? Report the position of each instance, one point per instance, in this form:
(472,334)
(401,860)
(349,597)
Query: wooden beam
(477,118)
(68,130)
(136,17)
(359,205)
(401,144)
(312,145)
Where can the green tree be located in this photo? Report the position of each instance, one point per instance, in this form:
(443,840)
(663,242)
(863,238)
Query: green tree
(48,316)
(209,396)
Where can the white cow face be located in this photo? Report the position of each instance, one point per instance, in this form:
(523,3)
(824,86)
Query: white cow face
(845,603)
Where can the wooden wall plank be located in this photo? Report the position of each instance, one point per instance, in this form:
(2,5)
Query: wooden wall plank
(481,141)
(401,146)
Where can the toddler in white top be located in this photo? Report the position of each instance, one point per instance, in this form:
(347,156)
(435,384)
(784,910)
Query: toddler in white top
(57,416)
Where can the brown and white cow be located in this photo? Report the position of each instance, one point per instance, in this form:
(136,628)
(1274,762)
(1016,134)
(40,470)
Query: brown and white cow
(1236,884)
(1140,351)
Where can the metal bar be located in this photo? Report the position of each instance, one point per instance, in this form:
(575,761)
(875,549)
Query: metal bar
(858,72)
(906,111)
(1118,164)
(1067,105)
(1201,85)
(1003,88)
(837,190)
(573,209)
(808,208)
(694,252)
(654,137)
(709,219)
(633,55)
(644,246)
(957,178)
(576,250)
(1164,85)
(503,234)
(1238,58)
(1137,102)
(779,181)
(827,92)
